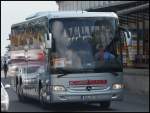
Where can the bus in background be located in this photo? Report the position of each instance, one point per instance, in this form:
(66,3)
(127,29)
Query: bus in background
(79,57)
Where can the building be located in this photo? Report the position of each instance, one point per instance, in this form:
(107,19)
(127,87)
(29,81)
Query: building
(135,16)
(132,14)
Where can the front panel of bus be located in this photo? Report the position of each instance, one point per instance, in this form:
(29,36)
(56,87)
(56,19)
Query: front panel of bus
(85,61)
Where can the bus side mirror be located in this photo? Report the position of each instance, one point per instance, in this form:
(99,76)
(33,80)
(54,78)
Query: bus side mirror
(48,40)
(129,34)
(128,38)
(125,35)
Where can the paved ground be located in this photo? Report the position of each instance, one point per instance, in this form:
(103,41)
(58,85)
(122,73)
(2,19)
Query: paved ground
(132,102)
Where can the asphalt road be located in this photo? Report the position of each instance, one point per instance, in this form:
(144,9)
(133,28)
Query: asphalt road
(131,102)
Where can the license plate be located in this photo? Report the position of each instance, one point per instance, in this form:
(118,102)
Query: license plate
(88,97)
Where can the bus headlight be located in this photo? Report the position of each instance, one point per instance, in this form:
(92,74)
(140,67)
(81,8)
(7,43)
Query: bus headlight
(117,86)
(58,88)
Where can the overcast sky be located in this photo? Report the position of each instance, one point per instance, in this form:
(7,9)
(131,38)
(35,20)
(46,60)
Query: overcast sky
(16,11)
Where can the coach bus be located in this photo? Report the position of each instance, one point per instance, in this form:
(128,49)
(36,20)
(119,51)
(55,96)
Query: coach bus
(71,56)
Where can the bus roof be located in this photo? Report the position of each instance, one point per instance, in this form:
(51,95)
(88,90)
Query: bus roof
(67,14)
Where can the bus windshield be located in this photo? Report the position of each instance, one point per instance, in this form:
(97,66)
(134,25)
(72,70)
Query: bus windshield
(82,44)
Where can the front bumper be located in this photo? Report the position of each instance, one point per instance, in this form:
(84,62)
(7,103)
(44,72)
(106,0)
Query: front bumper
(110,95)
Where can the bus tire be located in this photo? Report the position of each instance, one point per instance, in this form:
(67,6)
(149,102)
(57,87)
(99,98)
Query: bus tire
(18,92)
(105,104)
(17,89)
(41,99)
(21,96)
(16,83)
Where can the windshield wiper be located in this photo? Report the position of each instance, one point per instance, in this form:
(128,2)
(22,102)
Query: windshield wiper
(62,75)
(66,72)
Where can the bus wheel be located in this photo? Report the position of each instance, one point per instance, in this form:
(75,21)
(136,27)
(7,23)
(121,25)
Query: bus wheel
(17,89)
(105,104)
(20,93)
(41,99)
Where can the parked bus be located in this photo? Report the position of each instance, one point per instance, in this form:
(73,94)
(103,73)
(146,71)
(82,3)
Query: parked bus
(75,57)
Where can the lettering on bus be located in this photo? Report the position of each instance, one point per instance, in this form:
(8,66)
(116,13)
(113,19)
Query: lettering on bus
(88,82)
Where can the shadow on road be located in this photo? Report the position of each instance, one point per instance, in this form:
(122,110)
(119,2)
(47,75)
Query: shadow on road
(131,102)
(34,105)
(67,106)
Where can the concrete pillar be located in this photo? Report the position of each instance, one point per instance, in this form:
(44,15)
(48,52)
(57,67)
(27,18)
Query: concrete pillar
(100,4)
(143,28)
(147,24)
(96,4)
(80,5)
(88,5)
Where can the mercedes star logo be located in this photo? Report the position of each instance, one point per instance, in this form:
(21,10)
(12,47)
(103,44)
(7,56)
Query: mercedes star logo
(88,88)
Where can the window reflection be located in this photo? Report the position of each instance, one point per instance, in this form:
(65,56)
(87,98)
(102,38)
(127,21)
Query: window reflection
(81,42)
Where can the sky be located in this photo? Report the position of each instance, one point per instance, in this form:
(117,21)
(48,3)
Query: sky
(16,11)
